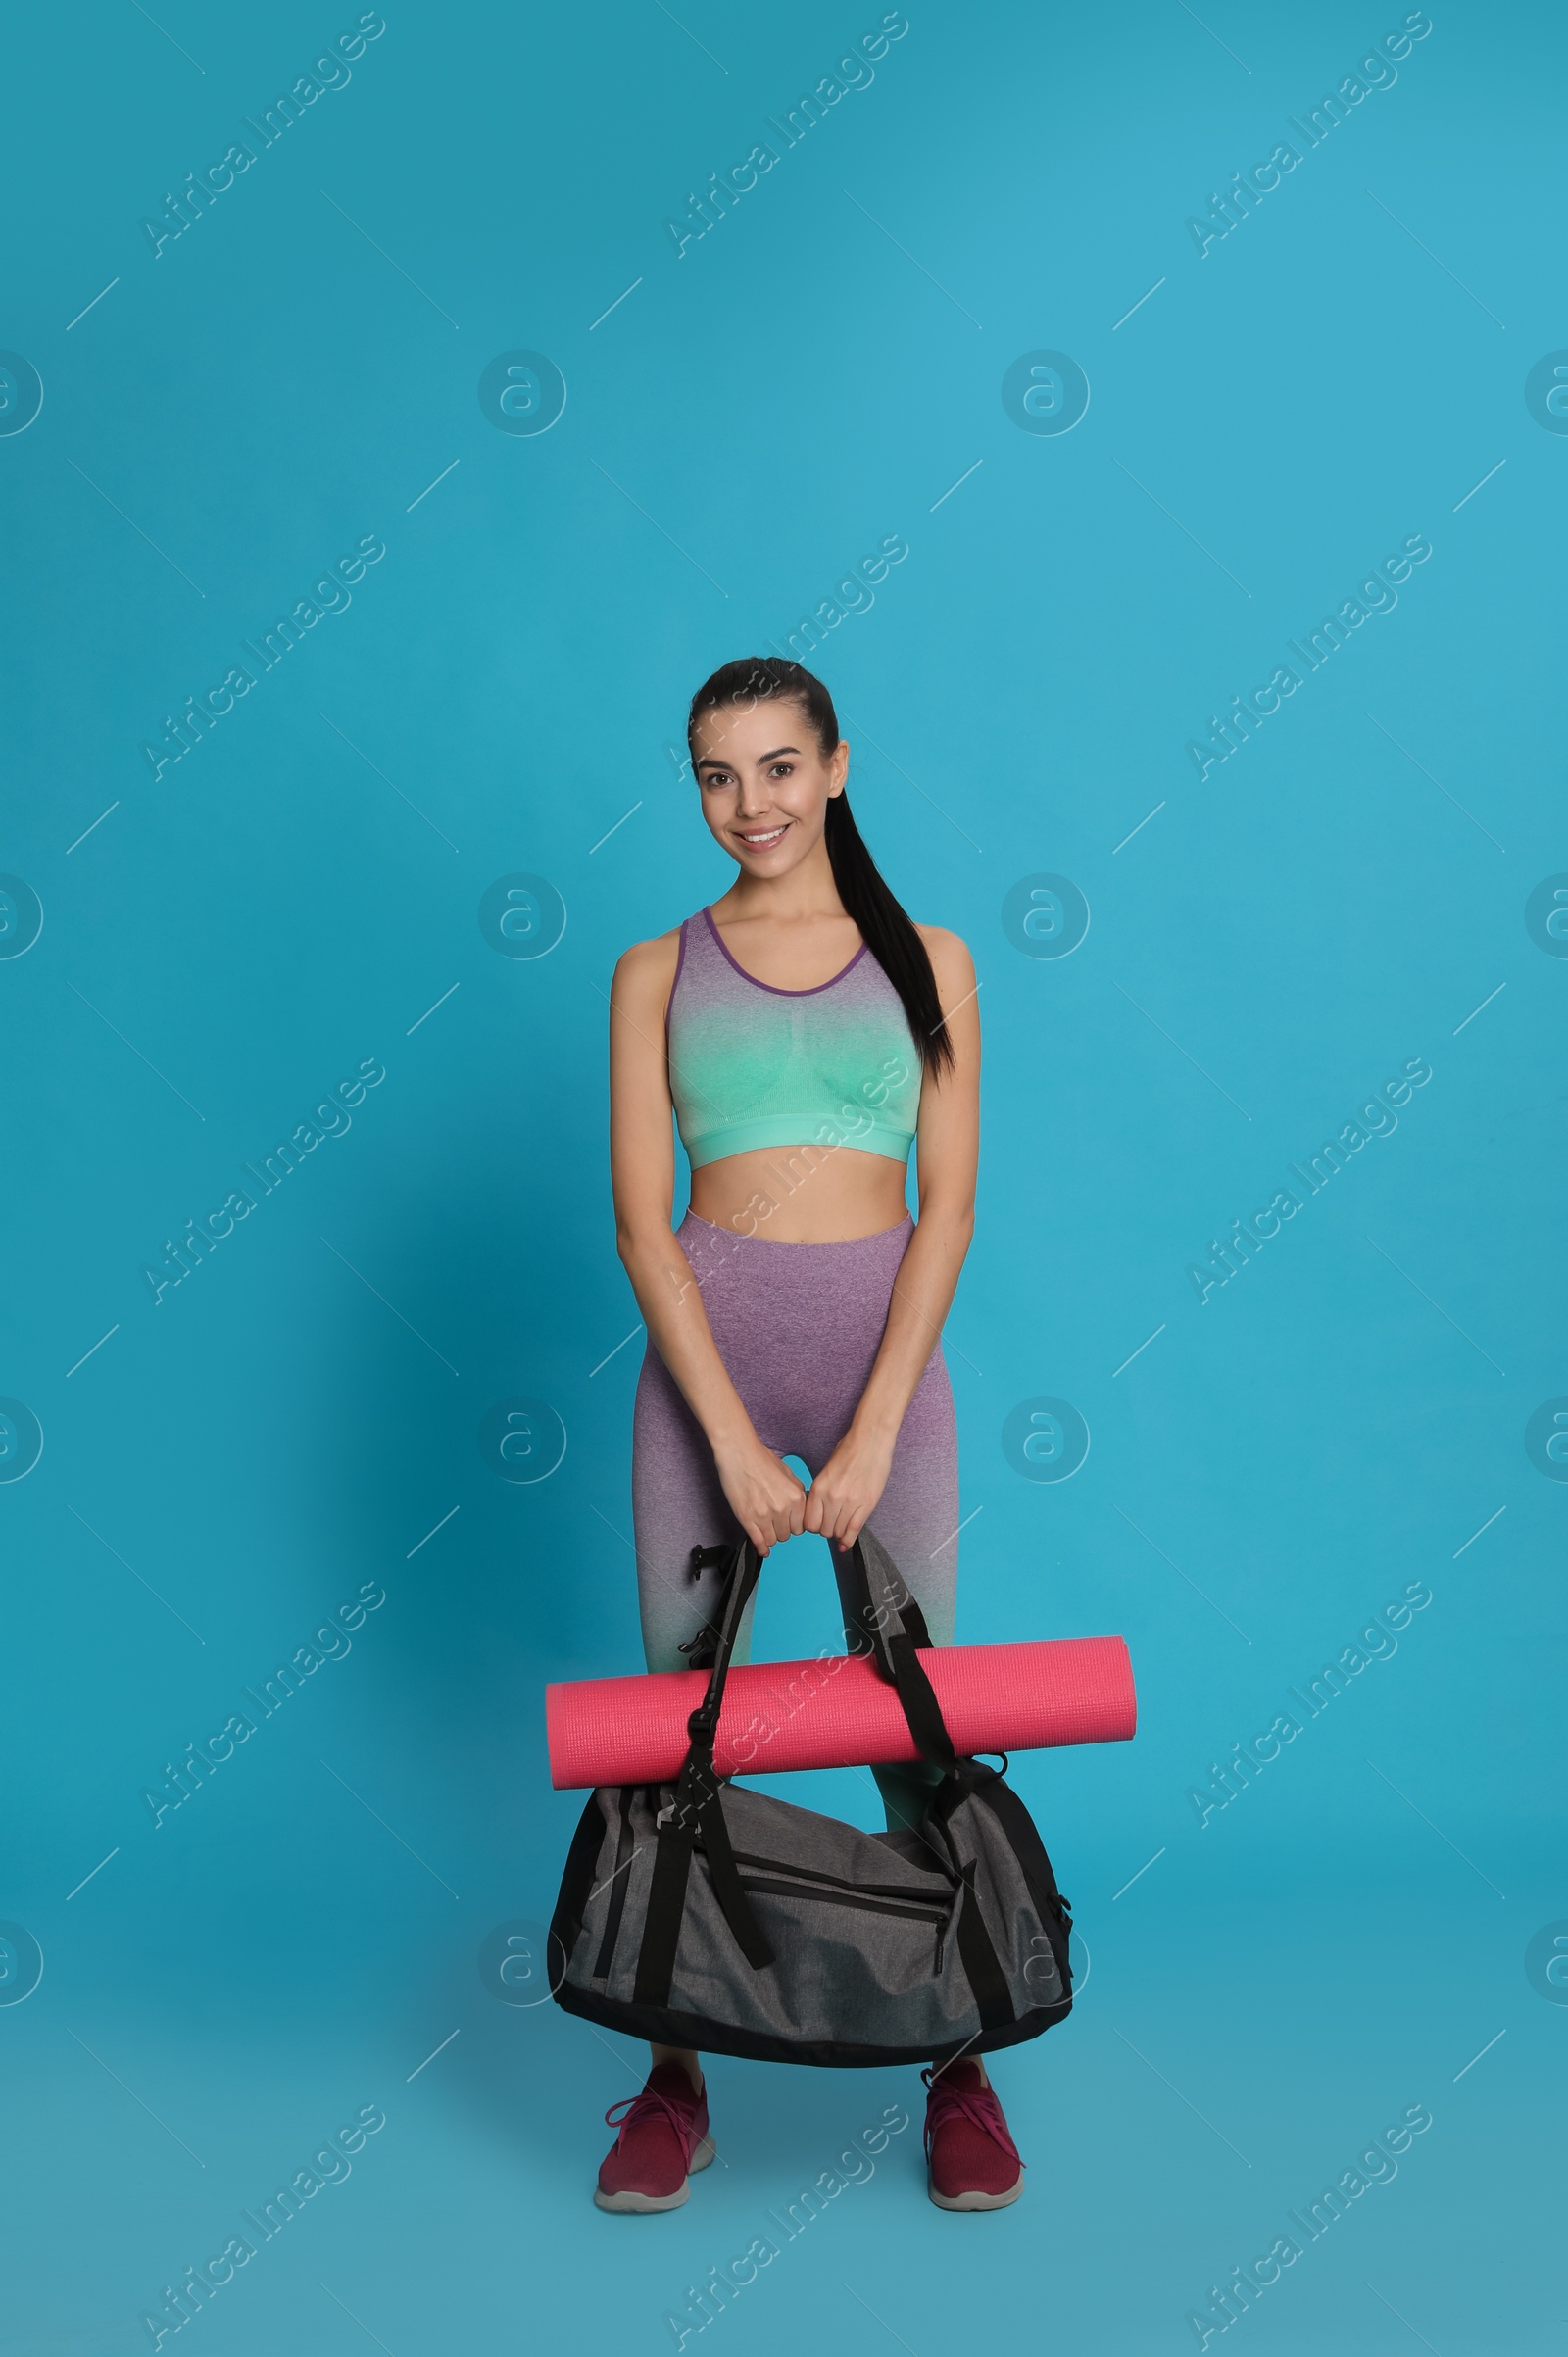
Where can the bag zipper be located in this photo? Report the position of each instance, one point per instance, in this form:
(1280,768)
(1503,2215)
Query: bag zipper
(945,1928)
(940,1918)
(816,1874)
(879,1899)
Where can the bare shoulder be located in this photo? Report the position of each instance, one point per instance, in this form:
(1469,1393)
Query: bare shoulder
(951,962)
(645,979)
(647,963)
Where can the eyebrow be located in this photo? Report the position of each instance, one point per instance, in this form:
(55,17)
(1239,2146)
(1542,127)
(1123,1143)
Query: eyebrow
(710,761)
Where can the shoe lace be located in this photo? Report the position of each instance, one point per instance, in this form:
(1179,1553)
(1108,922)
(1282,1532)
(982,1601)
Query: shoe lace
(978,2105)
(648,2105)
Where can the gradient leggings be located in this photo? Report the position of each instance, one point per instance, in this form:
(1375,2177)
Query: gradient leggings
(798,1327)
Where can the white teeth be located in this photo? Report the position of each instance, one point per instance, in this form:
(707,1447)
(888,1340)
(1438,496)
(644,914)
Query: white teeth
(772,835)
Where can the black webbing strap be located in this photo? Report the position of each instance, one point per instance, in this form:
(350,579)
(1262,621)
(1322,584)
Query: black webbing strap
(666,1904)
(921,1709)
(624,1845)
(745,1568)
(895,1625)
(914,1620)
(725,1875)
(696,1812)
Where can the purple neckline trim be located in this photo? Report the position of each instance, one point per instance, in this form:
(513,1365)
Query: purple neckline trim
(773,986)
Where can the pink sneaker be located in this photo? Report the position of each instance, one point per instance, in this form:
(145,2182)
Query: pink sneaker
(663,2137)
(973,2162)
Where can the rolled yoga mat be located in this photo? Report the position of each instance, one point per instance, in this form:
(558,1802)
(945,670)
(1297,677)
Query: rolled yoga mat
(836,1712)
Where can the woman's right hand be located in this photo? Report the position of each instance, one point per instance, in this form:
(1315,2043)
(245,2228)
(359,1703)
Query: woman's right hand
(764,1495)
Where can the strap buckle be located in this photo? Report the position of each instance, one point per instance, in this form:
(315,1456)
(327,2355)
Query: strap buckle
(704,1558)
(703,1648)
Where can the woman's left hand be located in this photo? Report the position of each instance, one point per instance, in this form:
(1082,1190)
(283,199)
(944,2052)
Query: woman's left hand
(843,1496)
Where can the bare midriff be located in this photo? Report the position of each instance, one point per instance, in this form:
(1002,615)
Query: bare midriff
(801,1194)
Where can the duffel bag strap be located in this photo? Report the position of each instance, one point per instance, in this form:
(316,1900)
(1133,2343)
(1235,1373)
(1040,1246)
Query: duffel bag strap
(725,1875)
(698,1778)
(981,1964)
(745,1569)
(666,1904)
(696,1810)
(895,1625)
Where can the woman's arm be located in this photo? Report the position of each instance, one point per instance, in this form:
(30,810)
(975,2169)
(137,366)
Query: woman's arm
(846,1492)
(767,1500)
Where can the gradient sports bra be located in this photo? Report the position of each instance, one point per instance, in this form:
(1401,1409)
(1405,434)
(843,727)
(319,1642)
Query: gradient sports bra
(752,1066)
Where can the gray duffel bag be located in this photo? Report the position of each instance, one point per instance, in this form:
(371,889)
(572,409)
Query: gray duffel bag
(707,1915)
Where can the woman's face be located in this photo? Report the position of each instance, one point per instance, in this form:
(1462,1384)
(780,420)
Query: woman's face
(766,783)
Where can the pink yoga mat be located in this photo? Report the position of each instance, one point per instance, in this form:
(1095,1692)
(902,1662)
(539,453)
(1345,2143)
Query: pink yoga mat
(838,1713)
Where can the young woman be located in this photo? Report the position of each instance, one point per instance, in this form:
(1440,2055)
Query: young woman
(807,1035)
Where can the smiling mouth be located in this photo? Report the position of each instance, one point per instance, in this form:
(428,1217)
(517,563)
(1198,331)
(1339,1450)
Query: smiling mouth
(763,841)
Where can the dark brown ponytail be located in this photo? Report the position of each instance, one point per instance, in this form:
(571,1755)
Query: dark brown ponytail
(883,925)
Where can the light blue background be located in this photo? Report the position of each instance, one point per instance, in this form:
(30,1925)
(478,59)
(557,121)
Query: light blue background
(228,942)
